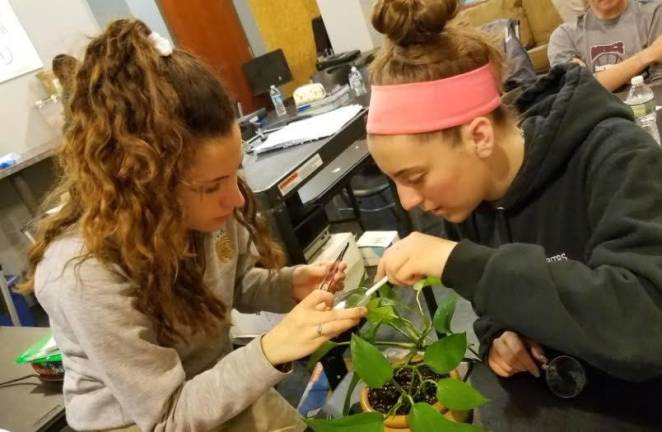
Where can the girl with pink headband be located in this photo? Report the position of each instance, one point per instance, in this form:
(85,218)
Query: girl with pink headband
(552,208)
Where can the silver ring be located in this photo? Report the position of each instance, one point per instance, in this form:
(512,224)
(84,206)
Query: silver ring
(320,331)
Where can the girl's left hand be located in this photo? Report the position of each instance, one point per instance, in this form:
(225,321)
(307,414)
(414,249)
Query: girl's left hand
(415,256)
(307,278)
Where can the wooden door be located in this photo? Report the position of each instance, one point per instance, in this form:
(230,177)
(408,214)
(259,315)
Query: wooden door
(211,30)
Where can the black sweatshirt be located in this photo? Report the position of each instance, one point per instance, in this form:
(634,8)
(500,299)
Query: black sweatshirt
(571,257)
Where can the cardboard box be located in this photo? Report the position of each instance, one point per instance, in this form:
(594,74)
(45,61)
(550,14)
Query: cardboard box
(372,245)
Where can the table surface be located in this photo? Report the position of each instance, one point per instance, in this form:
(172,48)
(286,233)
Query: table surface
(31,157)
(29,405)
(523,403)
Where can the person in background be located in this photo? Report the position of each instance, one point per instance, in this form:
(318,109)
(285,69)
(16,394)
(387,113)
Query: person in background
(553,213)
(64,68)
(570,10)
(157,242)
(615,39)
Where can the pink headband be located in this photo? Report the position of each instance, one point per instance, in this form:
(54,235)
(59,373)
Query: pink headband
(432,105)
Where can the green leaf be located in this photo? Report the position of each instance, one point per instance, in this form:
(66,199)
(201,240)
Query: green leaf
(369,363)
(378,314)
(369,331)
(383,301)
(387,292)
(458,395)
(444,314)
(446,354)
(319,353)
(354,299)
(373,303)
(364,422)
(428,281)
(424,418)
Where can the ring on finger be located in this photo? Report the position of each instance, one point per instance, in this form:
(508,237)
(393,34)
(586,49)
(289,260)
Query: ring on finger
(320,329)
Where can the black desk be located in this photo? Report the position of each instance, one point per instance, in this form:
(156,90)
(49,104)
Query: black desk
(275,177)
(29,405)
(523,403)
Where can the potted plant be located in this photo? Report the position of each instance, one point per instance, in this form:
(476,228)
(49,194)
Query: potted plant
(423,391)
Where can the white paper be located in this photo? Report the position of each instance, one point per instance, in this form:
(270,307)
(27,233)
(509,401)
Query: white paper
(251,325)
(311,129)
(17,55)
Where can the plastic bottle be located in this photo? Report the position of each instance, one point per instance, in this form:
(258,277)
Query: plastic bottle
(641,100)
(356,82)
(277,100)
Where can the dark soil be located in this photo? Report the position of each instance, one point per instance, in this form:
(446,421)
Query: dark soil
(383,399)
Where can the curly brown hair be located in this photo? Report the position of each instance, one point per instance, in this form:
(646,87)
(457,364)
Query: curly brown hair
(135,120)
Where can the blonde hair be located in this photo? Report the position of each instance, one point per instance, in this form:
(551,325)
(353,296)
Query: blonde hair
(135,120)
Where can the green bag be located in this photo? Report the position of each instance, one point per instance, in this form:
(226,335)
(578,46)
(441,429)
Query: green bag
(42,351)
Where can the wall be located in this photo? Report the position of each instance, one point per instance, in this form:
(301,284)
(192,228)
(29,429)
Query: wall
(148,11)
(295,38)
(348,25)
(53,28)
(106,11)
(250,27)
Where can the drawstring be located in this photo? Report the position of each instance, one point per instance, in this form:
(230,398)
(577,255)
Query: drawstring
(474,226)
(503,227)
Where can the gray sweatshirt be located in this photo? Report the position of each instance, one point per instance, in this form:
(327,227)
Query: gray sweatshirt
(116,371)
(601,43)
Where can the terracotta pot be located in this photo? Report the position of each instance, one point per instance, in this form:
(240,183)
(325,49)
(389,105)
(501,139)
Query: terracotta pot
(399,423)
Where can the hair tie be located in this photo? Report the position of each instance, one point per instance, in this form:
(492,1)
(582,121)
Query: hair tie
(161,44)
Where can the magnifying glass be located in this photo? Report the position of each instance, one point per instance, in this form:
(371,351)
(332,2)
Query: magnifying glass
(565,376)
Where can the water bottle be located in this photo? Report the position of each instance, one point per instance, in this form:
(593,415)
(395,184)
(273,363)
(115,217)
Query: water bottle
(641,100)
(356,82)
(277,100)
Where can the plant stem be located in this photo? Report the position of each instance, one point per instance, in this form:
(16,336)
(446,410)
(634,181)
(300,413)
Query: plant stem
(403,332)
(409,326)
(470,368)
(411,400)
(399,387)
(414,370)
(384,343)
(394,409)
(352,385)
(418,302)
(395,344)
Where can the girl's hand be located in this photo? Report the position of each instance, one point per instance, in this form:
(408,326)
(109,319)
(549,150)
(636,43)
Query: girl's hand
(307,278)
(307,326)
(415,256)
(510,353)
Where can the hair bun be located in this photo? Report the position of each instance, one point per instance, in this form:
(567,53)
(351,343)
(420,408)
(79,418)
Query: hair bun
(407,22)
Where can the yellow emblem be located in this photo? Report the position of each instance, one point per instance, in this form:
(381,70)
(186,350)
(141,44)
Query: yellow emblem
(224,247)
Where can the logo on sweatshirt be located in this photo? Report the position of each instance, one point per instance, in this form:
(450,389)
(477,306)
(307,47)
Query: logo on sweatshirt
(557,258)
(603,56)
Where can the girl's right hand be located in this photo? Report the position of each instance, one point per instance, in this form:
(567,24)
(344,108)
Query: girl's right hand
(510,353)
(311,323)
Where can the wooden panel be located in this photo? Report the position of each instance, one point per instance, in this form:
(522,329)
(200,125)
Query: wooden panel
(212,31)
(286,24)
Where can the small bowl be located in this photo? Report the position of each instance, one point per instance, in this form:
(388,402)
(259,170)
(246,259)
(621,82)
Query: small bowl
(49,371)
